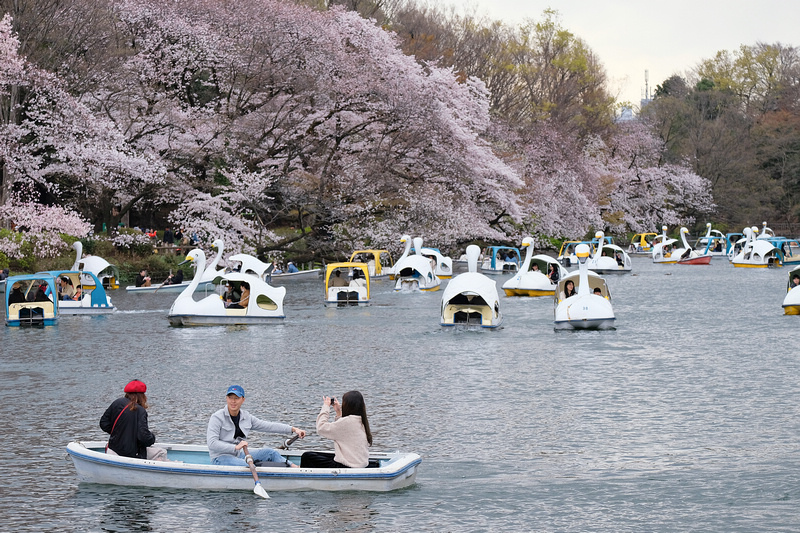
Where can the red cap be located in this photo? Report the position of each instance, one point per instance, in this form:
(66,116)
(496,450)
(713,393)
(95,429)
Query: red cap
(135,386)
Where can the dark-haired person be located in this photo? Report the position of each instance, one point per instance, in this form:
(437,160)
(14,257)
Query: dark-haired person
(244,299)
(349,431)
(229,427)
(125,421)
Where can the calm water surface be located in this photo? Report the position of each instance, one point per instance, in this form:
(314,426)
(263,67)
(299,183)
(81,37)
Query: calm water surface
(684,418)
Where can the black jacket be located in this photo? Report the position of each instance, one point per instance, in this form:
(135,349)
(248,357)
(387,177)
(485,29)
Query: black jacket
(131,435)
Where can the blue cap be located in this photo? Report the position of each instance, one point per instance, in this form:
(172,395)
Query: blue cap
(237,390)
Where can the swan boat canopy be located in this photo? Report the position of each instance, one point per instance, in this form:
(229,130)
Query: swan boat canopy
(91,301)
(642,244)
(734,242)
(688,255)
(608,258)
(586,309)
(193,469)
(347,284)
(471,299)
(264,305)
(27,305)
(791,302)
(104,271)
(756,253)
(206,281)
(379,262)
(500,260)
(537,276)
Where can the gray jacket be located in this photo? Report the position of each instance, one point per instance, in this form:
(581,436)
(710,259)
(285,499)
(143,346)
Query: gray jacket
(220,431)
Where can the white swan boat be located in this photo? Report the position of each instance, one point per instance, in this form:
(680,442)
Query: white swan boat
(379,262)
(791,302)
(210,273)
(535,277)
(471,299)
(756,253)
(392,471)
(585,309)
(93,298)
(265,304)
(609,258)
(103,271)
(347,284)
(415,273)
(663,250)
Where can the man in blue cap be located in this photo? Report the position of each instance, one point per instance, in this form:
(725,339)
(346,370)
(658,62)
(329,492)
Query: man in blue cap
(228,429)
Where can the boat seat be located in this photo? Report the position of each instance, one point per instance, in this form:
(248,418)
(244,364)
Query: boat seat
(235,311)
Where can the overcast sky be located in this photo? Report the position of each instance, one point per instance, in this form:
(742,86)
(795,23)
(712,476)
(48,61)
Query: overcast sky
(664,38)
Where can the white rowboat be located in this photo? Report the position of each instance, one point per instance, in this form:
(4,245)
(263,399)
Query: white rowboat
(395,471)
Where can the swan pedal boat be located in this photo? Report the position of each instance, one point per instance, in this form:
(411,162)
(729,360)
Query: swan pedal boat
(619,262)
(791,303)
(584,310)
(42,313)
(527,282)
(415,272)
(757,253)
(471,299)
(713,243)
(394,471)
(264,306)
(103,271)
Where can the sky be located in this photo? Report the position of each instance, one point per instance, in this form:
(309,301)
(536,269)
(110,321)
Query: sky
(663,38)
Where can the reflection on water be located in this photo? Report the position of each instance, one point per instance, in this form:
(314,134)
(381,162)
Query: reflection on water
(683,418)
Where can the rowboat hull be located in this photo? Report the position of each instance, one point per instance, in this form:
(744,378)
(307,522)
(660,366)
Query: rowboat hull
(699,260)
(302,274)
(396,471)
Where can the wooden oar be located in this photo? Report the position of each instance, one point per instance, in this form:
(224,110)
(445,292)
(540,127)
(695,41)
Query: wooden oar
(165,281)
(258,489)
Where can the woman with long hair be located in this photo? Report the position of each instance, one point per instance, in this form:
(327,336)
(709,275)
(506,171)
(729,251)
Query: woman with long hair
(349,431)
(125,421)
(569,289)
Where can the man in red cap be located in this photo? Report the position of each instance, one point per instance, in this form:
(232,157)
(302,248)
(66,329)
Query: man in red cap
(126,421)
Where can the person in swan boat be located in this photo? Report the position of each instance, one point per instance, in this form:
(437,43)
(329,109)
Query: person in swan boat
(228,429)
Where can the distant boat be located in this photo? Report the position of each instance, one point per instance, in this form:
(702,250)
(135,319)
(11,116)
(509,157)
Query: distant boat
(25,305)
(415,272)
(756,253)
(617,262)
(537,276)
(471,299)
(104,271)
(351,289)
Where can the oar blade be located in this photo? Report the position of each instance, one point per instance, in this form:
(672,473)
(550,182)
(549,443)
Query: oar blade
(258,489)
